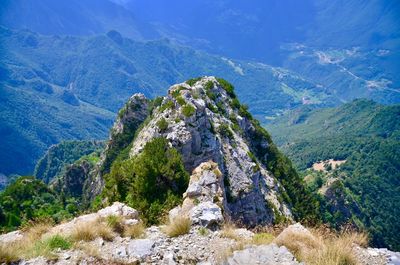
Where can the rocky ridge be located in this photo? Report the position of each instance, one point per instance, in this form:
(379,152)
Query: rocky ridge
(205,122)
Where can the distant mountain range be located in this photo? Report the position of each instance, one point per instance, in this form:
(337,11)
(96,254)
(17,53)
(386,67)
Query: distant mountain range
(70,87)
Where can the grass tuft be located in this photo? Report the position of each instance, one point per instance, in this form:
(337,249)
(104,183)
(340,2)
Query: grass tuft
(135,231)
(178,226)
(319,248)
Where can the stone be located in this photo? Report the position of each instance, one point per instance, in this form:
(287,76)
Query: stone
(140,248)
(119,209)
(206,214)
(264,254)
(11,237)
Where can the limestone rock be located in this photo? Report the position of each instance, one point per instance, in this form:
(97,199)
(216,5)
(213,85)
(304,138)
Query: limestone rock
(206,214)
(119,209)
(140,248)
(264,254)
(215,132)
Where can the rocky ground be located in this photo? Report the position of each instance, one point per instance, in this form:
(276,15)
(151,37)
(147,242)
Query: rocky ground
(199,246)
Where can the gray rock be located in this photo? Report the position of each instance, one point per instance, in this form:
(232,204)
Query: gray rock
(119,209)
(140,248)
(206,214)
(264,254)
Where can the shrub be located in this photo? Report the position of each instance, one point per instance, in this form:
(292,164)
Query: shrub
(209,85)
(167,105)
(235,104)
(152,182)
(178,226)
(225,131)
(180,100)
(188,110)
(211,95)
(135,231)
(193,81)
(243,111)
(162,124)
(228,87)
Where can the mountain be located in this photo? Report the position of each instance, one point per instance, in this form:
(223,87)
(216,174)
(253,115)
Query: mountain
(363,138)
(58,156)
(239,179)
(260,28)
(73,91)
(199,127)
(72,17)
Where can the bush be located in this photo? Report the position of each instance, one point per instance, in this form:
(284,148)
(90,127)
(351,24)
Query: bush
(152,182)
(180,100)
(178,226)
(209,85)
(228,87)
(225,131)
(188,110)
(193,81)
(162,124)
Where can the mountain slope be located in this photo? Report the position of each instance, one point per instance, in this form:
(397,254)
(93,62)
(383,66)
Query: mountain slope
(364,134)
(201,121)
(89,78)
(74,89)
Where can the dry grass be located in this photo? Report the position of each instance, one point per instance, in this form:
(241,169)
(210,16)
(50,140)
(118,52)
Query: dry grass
(89,249)
(229,231)
(116,223)
(320,248)
(223,250)
(33,244)
(135,231)
(8,253)
(262,239)
(179,226)
(88,231)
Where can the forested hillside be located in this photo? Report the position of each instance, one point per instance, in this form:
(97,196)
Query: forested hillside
(367,136)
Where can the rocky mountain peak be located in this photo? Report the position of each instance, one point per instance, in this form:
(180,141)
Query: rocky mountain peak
(203,119)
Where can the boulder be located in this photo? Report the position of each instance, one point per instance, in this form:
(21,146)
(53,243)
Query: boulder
(206,214)
(119,209)
(264,254)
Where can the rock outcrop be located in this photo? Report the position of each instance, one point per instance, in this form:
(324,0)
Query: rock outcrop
(205,122)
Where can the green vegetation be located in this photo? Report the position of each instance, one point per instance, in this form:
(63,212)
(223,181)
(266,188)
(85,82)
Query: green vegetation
(53,163)
(367,136)
(225,131)
(152,182)
(28,198)
(167,105)
(188,110)
(228,87)
(193,81)
(162,124)
(180,100)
